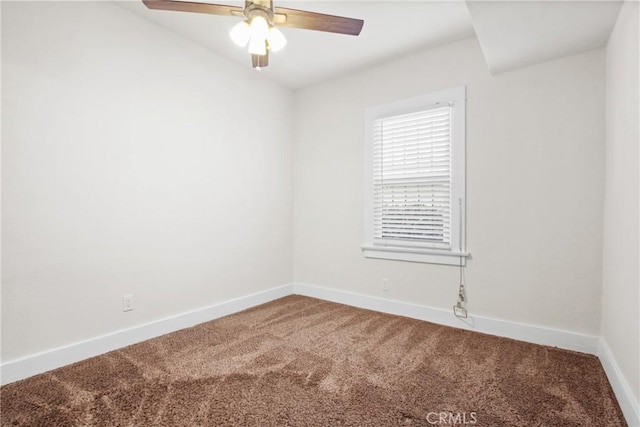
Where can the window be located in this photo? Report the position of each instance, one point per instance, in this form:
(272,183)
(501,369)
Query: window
(415,179)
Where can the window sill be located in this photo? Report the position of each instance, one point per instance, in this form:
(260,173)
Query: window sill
(429,256)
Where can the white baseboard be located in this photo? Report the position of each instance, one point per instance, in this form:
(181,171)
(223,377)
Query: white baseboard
(18,369)
(528,333)
(630,407)
(522,332)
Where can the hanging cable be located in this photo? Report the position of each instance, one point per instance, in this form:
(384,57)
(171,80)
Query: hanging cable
(459,309)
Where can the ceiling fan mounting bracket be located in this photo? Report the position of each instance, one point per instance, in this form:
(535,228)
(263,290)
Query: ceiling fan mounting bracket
(254,9)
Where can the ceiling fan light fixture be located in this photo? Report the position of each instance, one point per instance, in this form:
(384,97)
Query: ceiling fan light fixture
(259,28)
(276,39)
(241,33)
(257,46)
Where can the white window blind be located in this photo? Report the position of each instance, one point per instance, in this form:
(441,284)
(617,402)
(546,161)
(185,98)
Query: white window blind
(415,153)
(412,178)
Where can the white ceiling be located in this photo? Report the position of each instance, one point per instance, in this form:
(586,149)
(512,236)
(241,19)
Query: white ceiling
(512,33)
(391,29)
(520,33)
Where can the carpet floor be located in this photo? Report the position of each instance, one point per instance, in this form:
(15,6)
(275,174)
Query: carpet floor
(299,361)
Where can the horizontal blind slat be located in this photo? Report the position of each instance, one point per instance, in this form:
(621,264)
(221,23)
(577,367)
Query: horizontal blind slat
(412,176)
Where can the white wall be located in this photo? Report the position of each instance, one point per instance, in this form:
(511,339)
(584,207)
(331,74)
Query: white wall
(129,166)
(133,162)
(620,278)
(535,186)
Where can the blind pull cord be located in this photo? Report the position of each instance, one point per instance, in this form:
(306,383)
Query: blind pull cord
(459,310)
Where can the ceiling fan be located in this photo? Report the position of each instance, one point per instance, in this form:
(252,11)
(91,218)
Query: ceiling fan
(260,18)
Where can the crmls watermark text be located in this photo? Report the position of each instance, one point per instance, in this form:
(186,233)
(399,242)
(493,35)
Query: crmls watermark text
(446,418)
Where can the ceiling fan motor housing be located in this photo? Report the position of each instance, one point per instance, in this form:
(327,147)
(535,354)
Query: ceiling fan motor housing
(254,9)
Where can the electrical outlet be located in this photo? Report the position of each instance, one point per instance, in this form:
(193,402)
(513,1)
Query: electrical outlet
(385,285)
(127,303)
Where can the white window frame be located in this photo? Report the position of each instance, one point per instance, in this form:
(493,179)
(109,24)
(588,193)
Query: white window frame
(407,251)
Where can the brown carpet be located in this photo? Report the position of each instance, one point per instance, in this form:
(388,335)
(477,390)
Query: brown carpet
(300,361)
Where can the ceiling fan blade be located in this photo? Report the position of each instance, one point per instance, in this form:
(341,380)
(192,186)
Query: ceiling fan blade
(185,6)
(317,21)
